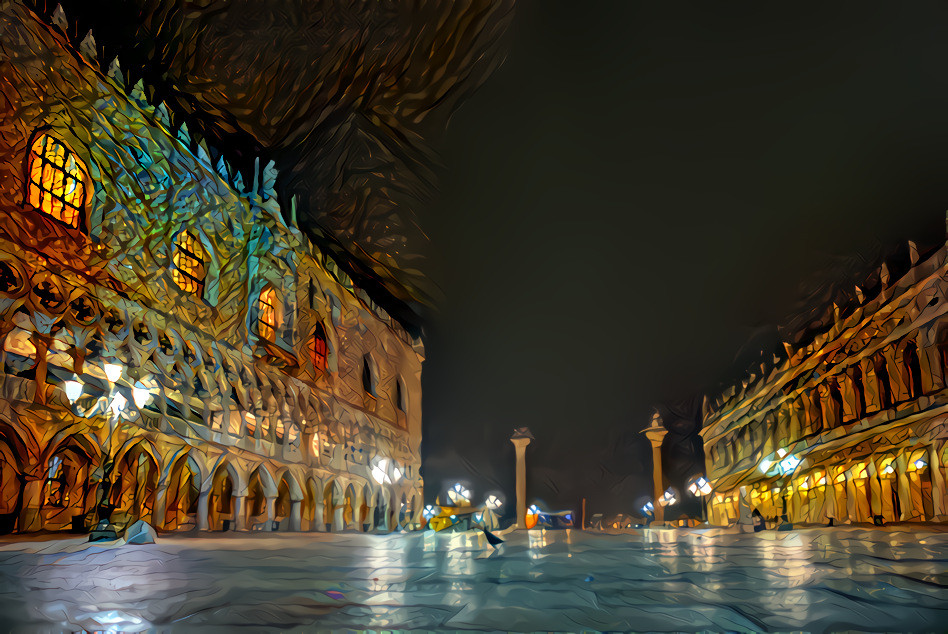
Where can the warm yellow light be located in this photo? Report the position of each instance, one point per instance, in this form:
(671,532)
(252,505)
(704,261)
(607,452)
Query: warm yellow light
(266,305)
(58,181)
(189,261)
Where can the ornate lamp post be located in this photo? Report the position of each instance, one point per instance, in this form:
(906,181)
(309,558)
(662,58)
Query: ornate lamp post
(656,434)
(520,439)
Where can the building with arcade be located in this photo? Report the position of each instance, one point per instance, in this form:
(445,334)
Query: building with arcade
(851,426)
(174,348)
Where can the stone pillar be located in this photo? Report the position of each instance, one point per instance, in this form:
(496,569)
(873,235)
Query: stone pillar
(337,519)
(296,515)
(31,518)
(161,503)
(520,439)
(656,434)
(318,525)
(271,513)
(875,486)
(240,521)
(905,489)
(852,505)
(202,519)
(938,481)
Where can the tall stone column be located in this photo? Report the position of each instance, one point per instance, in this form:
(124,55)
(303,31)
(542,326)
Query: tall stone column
(31,518)
(656,434)
(202,519)
(161,504)
(240,519)
(875,486)
(271,512)
(520,439)
(296,515)
(938,481)
(906,502)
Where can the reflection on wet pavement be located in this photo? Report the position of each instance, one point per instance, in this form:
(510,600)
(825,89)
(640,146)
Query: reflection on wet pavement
(812,579)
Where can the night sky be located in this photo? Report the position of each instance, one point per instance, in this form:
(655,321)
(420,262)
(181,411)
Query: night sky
(635,200)
(620,216)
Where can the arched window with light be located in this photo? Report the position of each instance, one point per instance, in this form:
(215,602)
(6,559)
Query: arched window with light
(320,349)
(268,314)
(58,182)
(189,263)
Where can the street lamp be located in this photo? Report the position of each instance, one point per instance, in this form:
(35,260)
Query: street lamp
(458,495)
(669,498)
(699,487)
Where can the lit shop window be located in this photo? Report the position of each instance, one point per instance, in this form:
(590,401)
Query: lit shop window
(58,181)
(189,260)
(267,314)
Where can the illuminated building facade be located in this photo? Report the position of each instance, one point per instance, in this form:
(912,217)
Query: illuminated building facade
(851,427)
(173,349)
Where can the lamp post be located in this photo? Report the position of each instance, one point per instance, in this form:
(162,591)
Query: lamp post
(656,434)
(699,487)
(520,439)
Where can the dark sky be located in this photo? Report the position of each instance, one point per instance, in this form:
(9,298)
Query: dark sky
(639,195)
(624,211)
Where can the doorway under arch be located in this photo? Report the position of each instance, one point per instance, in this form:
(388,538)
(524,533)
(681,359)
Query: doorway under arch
(134,486)
(183,493)
(220,501)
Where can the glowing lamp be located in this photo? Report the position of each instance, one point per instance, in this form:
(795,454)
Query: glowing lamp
(781,452)
(118,404)
(429,512)
(920,464)
(765,465)
(73,390)
(493,502)
(888,469)
(668,499)
(141,396)
(397,473)
(112,371)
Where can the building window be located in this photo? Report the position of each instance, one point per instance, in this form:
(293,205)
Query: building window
(267,314)
(189,263)
(320,349)
(399,396)
(55,494)
(368,378)
(58,181)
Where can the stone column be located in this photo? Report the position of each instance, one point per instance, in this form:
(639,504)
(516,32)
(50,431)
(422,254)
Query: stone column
(938,482)
(656,434)
(296,515)
(161,503)
(875,486)
(852,504)
(271,513)
(520,439)
(240,521)
(202,519)
(31,518)
(318,525)
(905,488)
(338,521)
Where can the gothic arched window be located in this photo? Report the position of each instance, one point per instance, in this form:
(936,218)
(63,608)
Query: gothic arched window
(189,263)
(320,349)
(267,314)
(57,181)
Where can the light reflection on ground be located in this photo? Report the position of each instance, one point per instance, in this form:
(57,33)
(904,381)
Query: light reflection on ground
(810,579)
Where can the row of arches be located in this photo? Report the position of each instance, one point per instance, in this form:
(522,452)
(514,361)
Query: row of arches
(894,375)
(184,491)
(892,486)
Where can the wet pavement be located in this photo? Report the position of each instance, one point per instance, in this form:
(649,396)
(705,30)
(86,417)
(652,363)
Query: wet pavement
(815,579)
